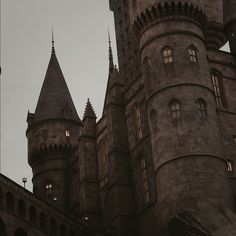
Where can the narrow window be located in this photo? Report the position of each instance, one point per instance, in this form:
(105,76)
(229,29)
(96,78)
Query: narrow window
(229,166)
(67,132)
(202,108)
(175,109)
(192,54)
(167,55)
(48,188)
(138,121)
(218,90)
(145,182)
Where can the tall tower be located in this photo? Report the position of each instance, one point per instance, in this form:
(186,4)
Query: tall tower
(186,143)
(230,23)
(52,133)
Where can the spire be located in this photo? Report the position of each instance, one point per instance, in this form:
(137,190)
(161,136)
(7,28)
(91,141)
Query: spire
(55,101)
(111,63)
(53,48)
(89,111)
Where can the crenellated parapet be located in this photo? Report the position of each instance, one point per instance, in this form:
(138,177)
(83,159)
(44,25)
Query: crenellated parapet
(157,13)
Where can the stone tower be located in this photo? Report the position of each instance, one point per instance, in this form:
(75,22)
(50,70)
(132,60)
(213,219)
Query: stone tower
(185,137)
(53,132)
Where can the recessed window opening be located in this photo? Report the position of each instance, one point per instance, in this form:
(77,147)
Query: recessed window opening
(67,132)
(229,166)
(202,108)
(48,188)
(175,109)
(138,121)
(192,54)
(167,55)
(218,90)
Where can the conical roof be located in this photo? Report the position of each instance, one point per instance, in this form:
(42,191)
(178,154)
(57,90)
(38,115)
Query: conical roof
(89,111)
(55,100)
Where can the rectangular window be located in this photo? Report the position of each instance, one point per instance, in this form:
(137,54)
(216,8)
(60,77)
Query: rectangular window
(145,181)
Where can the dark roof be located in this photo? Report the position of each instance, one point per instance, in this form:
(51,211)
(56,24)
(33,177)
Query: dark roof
(89,111)
(55,100)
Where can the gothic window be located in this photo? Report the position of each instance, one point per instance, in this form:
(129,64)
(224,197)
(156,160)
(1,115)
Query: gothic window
(218,89)
(48,188)
(144,180)
(175,109)
(192,51)
(138,122)
(10,201)
(202,108)
(67,133)
(22,208)
(167,55)
(229,166)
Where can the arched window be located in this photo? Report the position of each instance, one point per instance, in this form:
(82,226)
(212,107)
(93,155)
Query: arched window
(22,208)
(134,3)
(33,215)
(202,108)
(53,228)
(218,89)
(167,55)
(62,230)
(20,232)
(3,230)
(10,201)
(138,121)
(48,188)
(43,222)
(175,109)
(192,51)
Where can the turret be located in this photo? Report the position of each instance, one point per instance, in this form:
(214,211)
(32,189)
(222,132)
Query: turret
(230,23)
(186,143)
(52,134)
(89,199)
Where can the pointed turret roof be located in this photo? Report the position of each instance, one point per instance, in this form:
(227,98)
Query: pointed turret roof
(111,63)
(89,111)
(55,100)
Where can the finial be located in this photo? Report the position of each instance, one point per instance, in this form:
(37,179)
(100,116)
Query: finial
(53,48)
(111,63)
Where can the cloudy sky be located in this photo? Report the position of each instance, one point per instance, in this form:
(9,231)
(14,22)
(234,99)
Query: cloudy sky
(81,41)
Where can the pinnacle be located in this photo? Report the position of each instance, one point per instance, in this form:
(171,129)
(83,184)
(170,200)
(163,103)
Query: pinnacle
(89,111)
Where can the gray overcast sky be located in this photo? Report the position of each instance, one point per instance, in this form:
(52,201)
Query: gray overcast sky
(81,41)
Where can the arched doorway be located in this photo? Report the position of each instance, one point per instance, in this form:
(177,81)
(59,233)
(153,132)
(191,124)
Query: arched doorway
(20,232)
(2,228)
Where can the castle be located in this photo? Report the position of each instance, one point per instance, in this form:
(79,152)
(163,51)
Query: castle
(161,160)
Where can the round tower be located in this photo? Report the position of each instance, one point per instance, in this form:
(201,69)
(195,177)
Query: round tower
(230,23)
(52,133)
(186,145)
